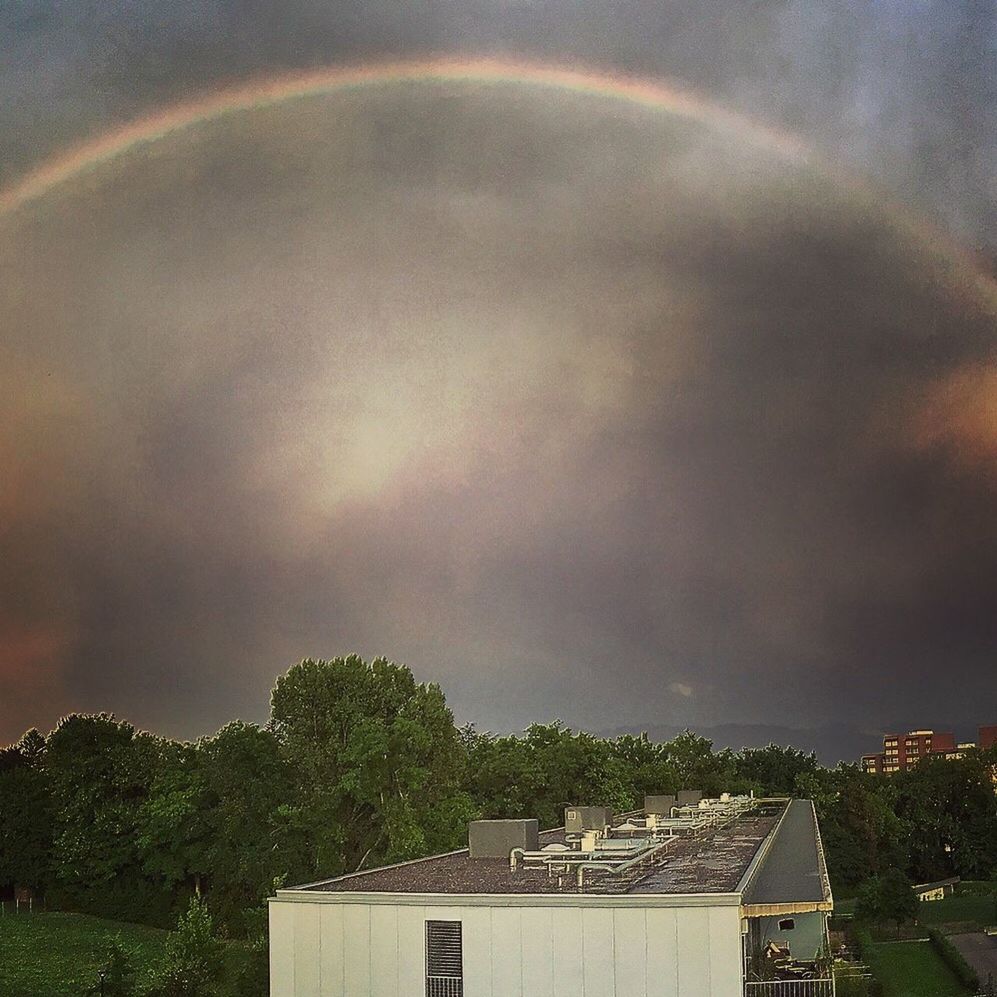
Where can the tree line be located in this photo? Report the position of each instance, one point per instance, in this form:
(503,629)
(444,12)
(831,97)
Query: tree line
(359,765)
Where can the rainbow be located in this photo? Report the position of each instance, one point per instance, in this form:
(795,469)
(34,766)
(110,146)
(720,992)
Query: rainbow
(89,155)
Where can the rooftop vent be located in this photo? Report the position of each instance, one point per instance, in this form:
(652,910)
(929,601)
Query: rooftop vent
(689,797)
(577,820)
(660,806)
(495,839)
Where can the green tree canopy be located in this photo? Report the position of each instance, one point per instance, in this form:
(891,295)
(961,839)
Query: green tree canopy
(377,764)
(100,772)
(889,897)
(26,814)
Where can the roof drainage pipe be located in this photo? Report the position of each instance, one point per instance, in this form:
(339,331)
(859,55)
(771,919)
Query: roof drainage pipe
(518,855)
(617,867)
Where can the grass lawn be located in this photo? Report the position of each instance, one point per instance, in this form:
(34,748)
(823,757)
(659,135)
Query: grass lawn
(57,955)
(912,969)
(846,906)
(972,911)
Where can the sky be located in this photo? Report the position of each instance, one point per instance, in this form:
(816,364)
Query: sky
(579,406)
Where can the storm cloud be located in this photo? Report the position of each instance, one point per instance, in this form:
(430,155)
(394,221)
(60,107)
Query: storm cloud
(575,407)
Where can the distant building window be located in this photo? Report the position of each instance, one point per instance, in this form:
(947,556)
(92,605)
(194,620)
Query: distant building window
(787,924)
(444,959)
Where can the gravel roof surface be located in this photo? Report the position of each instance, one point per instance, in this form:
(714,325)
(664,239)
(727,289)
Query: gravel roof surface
(711,862)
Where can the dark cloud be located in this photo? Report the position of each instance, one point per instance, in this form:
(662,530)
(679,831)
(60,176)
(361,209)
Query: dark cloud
(575,408)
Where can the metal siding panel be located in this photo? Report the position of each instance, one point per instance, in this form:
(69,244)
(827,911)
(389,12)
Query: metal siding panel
(477,951)
(331,950)
(694,952)
(306,950)
(662,951)
(569,952)
(630,934)
(600,955)
(507,952)
(383,951)
(356,948)
(725,952)
(538,951)
(281,949)
(411,950)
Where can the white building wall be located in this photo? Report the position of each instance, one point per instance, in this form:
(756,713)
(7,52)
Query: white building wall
(352,949)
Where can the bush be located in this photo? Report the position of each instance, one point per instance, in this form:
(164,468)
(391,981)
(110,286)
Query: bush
(856,986)
(859,939)
(193,960)
(118,972)
(254,979)
(138,902)
(976,888)
(952,958)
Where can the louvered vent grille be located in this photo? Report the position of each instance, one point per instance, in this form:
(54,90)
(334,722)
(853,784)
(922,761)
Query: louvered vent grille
(444,959)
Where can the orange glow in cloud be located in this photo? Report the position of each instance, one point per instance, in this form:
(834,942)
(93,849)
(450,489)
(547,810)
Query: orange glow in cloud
(960,414)
(26,655)
(31,673)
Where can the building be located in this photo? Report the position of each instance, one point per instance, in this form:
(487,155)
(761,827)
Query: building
(873,764)
(693,898)
(937,891)
(959,751)
(902,751)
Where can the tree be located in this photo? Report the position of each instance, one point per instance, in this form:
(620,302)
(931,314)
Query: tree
(889,897)
(862,834)
(254,977)
(551,767)
(172,821)
(193,959)
(504,777)
(898,902)
(245,783)
(26,815)
(648,768)
(377,765)
(774,769)
(575,768)
(952,810)
(698,766)
(100,773)
(868,901)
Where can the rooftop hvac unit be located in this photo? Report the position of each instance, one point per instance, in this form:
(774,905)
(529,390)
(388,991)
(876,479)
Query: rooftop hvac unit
(577,820)
(659,805)
(689,797)
(495,839)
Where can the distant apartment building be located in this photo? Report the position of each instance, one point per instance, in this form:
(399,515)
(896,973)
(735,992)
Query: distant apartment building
(903,751)
(691,897)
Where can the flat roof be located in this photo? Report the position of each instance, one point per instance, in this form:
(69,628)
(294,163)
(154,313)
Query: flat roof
(792,870)
(712,861)
(951,881)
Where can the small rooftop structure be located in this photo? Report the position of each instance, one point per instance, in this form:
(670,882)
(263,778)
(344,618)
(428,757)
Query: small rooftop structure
(939,890)
(495,839)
